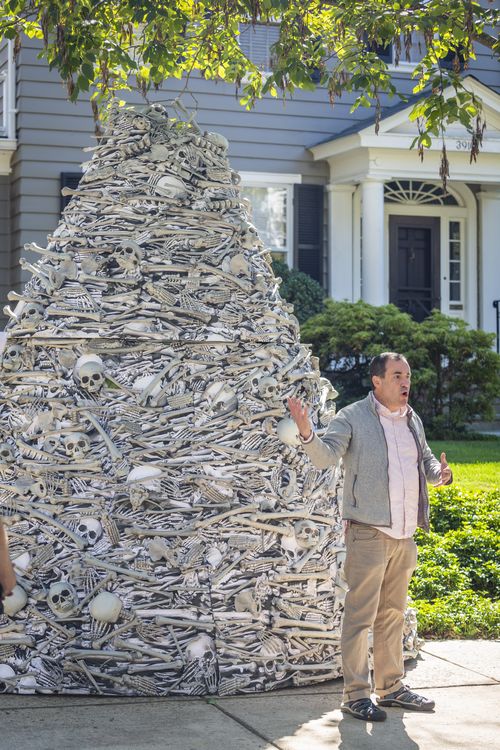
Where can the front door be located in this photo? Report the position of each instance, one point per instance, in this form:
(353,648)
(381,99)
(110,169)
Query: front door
(414,264)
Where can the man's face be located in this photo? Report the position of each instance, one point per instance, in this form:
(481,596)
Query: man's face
(393,389)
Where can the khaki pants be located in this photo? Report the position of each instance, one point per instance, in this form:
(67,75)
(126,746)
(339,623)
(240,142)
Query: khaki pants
(377,570)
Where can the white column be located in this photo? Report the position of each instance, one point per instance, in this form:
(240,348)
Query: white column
(10,103)
(489,278)
(375,280)
(340,249)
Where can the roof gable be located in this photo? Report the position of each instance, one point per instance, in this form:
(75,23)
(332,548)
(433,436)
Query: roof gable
(397,131)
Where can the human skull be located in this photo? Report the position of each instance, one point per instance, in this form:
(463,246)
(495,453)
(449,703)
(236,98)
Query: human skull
(327,393)
(38,488)
(249,236)
(200,647)
(128,256)
(169,186)
(12,358)
(213,556)
(51,443)
(138,495)
(106,607)
(6,674)
(268,388)
(16,601)
(90,529)
(217,141)
(62,599)
(306,534)
(90,376)
(288,432)
(220,397)
(158,549)
(54,281)
(32,314)
(141,480)
(275,668)
(237,265)
(76,445)
(290,548)
(26,485)
(7,455)
(244,601)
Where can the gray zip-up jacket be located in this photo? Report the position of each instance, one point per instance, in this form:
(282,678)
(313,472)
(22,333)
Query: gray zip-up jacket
(356,435)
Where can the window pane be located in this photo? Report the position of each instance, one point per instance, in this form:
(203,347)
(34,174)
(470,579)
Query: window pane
(455,271)
(455,291)
(454,230)
(269,215)
(454,251)
(256,40)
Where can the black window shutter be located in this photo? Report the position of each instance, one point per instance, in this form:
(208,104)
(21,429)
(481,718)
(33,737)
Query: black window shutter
(308,230)
(71,180)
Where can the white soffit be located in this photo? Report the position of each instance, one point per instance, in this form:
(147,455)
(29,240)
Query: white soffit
(397,131)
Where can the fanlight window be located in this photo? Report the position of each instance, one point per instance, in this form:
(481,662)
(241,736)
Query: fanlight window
(417,193)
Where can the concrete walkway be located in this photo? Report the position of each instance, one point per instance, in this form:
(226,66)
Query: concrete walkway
(462,676)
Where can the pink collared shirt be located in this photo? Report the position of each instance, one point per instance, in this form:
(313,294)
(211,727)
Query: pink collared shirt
(403,472)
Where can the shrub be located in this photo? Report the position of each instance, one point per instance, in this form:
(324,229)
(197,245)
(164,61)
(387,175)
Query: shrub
(439,572)
(478,550)
(301,290)
(456,585)
(451,507)
(455,372)
(463,614)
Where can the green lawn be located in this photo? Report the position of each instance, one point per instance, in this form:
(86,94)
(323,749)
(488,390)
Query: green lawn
(475,463)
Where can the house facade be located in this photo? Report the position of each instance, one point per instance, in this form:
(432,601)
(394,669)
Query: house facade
(357,211)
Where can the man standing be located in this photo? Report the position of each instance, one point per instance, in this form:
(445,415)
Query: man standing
(387,464)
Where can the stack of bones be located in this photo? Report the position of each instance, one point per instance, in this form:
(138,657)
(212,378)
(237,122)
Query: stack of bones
(169,534)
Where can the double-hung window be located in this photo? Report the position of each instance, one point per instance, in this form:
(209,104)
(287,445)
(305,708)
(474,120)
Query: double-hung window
(271,199)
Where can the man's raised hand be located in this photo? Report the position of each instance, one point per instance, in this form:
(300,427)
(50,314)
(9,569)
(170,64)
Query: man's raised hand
(300,415)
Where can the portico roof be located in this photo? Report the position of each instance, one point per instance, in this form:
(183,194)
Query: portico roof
(359,153)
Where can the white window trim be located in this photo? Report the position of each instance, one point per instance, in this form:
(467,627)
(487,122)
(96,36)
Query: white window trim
(277,180)
(455,312)
(269,179)
(402,66)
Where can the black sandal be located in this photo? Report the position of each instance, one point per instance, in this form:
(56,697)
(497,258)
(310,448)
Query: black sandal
(364,709)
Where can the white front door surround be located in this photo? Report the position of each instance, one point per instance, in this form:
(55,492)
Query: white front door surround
(361,163)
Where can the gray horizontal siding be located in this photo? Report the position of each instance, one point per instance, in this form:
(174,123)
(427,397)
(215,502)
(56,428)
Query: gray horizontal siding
(273,137)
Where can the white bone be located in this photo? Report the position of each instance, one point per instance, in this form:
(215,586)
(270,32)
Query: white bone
(116,631)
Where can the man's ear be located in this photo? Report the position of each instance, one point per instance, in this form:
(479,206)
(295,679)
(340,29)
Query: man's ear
(376,381)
